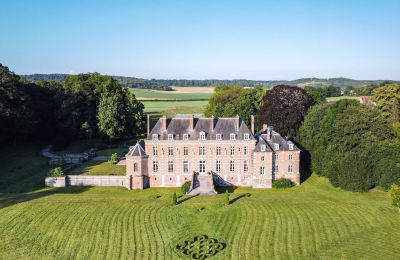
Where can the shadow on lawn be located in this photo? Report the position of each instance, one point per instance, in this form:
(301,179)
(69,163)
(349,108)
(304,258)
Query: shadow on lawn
(246,195)
(187,198)
(10,199)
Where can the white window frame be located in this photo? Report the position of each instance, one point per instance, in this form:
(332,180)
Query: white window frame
(218,166)
(170,150)
(202,166)
(155,151)
(202,136)
(186,166)
(291,147)
(202,150)
(276,147)
(185,137)
(290,157)
(276,168)
(276,157)
(218,137)
(232,136)
(155,137)
(262,170)
(263,148)
(290,168)
(246,136)
(246,150)
(185,150)
(218,152)
(170,166)
(155,166)
(245,166)
(232,150)
(262,158)
(232,165)
(170,137)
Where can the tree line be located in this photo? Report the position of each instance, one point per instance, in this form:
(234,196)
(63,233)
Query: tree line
(80,106)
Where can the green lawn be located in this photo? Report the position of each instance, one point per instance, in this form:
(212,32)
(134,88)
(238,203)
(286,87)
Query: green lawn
(170,108)
(313,221)
(171,95)
(98,168)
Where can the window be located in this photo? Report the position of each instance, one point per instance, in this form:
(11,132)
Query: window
(276,168)
(218,150)
(170,150)
(202,166)
(276,157)
(170,166)
(232,136)
(202,136)
(155,137)
(262,170)
(246,136)
(155,151)
(290,168)
(185,137)
(218,137)
(276,146)
(135,167)
(263,147)
(185,150)
(246,150)
(155,166)
(262,158)
(218,166)
(232,150)
(291,146)
(232,166)
(202,150)
(185,166)
(290,157)
(170,137)
(245,166)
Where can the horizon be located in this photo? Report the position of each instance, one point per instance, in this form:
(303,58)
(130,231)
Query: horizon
(207,40)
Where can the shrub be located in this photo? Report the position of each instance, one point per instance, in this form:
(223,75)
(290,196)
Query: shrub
(56,172)
(185,187)
(394,194)
(114,158)
(226,198)
(174,199)
(282,183)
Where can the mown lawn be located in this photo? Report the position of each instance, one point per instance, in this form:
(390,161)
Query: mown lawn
(98,168)
(313,221)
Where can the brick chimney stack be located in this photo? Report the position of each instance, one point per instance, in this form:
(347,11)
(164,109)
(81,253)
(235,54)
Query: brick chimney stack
(164,123)
(212,123)
(191,122)
(148,125)
(252,123)
(237,123)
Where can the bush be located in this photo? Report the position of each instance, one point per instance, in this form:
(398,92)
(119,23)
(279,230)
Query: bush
(174,199)
(226,198)
(394,194)
(282,183)
(114,158)
(186,187)
(56,172)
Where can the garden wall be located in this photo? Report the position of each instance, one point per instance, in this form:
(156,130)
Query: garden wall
(86,180)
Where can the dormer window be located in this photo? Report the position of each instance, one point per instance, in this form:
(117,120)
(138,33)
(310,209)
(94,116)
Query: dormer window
(246,136)
(170,137)
(202,136)
(185,137)
(291,146)
(276,147)
(155,137)
(263,147)
(232,136)
(218,136)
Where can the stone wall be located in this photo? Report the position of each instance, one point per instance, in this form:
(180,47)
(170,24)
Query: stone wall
(86,180)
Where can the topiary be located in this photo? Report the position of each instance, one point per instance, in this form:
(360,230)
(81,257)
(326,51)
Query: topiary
(282,183)
(114,158)
(56,172)
(174,199)
(226,198)
(186,187)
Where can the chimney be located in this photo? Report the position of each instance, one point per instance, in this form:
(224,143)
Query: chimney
(237,123)
(191,122)
(164,123)
(148,125)
(212,123)
(252,123)
(269,132)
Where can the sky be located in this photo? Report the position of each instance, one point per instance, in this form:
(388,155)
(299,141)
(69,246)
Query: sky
(203,39)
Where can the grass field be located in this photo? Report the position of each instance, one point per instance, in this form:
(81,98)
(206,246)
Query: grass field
(98,168)
(179,94)
(171,108)
(313,221)
(334,99)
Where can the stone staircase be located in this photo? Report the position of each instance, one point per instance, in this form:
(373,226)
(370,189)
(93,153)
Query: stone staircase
(202,184)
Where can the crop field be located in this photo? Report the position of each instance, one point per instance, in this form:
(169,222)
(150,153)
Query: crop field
(189,93)
(312,221)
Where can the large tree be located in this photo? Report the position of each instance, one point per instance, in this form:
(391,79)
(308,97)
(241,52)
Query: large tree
(284,107)
(387,99)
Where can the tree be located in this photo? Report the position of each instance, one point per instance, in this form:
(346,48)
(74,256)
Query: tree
(56,172)
(226,198)
(174,199)
(114,158)
(284,107)
(394,194)
(229,101)
(387,99)
(317,94)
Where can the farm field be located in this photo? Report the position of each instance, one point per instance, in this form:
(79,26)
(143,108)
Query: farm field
(171,108)
(334,99)
(181,93)
(312,221)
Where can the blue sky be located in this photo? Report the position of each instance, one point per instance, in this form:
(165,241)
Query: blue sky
(203,39)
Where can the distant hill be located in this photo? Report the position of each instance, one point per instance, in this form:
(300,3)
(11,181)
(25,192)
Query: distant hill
(165,84)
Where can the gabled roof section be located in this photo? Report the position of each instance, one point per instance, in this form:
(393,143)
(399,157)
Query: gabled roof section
(137,150)
(276,138)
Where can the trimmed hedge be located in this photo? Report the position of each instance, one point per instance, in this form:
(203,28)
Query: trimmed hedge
(282,183)
(186,187)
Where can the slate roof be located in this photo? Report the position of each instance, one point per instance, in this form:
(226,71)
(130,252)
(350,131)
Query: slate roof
(275,138)
(179,126)
(137,150)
